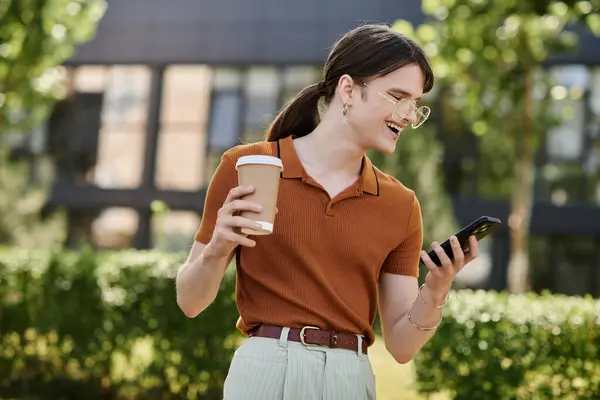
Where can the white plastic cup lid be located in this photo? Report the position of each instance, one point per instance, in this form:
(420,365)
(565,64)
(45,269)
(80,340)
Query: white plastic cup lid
(268,160)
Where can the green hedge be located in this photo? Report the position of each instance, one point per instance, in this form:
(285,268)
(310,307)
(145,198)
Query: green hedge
(79,325)
(499,346)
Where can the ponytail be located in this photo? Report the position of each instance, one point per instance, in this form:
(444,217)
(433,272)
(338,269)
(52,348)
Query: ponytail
(300,117)
(366,52)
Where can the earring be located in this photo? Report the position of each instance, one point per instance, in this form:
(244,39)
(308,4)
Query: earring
(344,112)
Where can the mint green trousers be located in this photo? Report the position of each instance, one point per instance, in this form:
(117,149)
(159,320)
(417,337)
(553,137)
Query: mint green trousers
(271,369)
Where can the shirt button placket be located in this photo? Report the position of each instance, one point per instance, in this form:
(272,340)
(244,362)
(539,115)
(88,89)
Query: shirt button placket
(329,210)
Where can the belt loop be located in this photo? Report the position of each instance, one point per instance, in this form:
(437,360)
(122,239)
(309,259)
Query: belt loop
(283,337)
(359,350)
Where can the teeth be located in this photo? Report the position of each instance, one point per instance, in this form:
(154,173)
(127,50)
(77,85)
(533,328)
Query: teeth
(392,125)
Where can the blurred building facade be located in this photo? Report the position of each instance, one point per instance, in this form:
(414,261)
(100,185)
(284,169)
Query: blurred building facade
(165,87)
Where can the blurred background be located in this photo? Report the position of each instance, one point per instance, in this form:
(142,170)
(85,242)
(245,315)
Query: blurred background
(114,115)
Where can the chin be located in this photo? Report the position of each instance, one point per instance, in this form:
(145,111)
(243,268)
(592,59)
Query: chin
(389,149)
(385,145)
(386,148)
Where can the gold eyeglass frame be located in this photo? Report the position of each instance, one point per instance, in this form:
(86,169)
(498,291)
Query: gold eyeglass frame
(422,111)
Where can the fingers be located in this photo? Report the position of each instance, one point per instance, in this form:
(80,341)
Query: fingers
(233,204)
(230,224)
(431,266)
(237,206)
(237,192)
(459,255)
(473,249)
(230,229)
(449,268)
(444,259)
(233,237)
(241,222)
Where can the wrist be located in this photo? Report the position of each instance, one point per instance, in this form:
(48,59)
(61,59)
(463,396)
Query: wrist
(210,257)
(436,295)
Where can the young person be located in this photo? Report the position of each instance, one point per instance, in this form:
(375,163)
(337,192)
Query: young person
(347,237)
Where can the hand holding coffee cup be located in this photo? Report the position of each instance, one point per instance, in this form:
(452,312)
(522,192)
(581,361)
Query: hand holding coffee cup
(226,236)
(263,173)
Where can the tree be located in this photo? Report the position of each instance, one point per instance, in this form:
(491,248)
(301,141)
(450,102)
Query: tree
(36,37)
(489,56)
(20,203)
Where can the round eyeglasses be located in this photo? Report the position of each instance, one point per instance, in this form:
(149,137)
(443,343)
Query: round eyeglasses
(407,109)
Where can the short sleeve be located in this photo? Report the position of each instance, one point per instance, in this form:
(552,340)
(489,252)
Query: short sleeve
(404,259)
(224,179)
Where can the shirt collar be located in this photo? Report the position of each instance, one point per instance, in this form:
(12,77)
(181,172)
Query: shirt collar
(292,167)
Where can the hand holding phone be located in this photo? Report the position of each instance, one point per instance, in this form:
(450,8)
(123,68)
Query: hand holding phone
(480,228)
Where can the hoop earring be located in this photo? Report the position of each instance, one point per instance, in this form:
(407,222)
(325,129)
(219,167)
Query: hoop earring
(344,114)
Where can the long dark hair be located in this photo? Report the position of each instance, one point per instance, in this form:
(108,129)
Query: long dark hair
(368,51)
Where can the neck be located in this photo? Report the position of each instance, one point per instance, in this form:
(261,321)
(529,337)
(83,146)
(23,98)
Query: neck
(330,147)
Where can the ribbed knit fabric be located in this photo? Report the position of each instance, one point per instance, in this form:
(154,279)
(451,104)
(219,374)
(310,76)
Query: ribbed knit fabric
(321,265)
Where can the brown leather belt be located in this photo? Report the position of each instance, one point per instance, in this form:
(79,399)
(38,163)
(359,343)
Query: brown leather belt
(312,336)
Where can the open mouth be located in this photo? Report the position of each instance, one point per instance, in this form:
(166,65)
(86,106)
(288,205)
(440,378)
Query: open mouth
(393,127)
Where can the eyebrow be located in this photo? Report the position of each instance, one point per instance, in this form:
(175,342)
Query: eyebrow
(403,92)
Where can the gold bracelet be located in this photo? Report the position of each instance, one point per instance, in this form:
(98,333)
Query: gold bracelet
(422,327)
(424,302)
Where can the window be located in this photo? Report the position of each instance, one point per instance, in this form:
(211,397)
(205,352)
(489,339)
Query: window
(115,228)
(571,173)
(296,78)
(261,92)
(566,141)
(227,79)
(225,116)
(90,78)
(592,162)
(182,139)
(224,129)
(123,132)
(121,137)
(245,101)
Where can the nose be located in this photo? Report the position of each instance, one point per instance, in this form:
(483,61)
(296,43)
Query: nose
(411,116)
(407,111)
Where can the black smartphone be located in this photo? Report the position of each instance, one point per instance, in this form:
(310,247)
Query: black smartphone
(479,228)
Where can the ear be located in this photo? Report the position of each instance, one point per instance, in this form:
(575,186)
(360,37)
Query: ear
(346,86)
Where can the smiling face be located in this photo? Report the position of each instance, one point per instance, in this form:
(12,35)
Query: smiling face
(375,116)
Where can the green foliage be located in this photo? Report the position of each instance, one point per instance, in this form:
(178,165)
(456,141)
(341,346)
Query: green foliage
(488,57)
(36,36)
(500,346)
(79,325)
(20,205)
(483,54)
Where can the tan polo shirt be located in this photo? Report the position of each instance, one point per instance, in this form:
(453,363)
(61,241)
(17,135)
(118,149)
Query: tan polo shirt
(321,265)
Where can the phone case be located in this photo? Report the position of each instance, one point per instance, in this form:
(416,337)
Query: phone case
(480,228)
